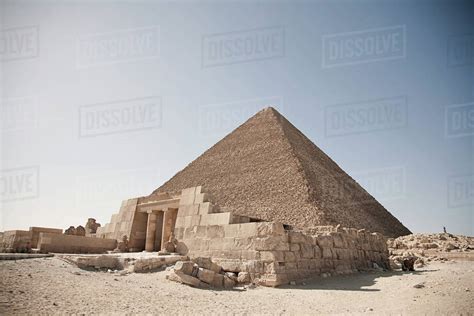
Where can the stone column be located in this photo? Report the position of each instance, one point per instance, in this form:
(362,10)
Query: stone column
(150,232)
(169,221)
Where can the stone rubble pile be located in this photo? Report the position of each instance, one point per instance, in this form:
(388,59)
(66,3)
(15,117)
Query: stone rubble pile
(427,247)
(201,272)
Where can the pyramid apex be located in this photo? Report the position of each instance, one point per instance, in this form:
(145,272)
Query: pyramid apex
(269,109)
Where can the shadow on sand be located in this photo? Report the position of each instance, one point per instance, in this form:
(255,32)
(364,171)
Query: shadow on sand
(351,282)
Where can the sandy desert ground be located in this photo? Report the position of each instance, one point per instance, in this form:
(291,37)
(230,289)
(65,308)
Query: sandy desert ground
(51,286)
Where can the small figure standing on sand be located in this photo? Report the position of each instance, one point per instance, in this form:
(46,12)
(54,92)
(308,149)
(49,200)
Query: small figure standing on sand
(444,229)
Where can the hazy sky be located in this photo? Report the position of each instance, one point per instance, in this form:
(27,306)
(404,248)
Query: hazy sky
(104,102)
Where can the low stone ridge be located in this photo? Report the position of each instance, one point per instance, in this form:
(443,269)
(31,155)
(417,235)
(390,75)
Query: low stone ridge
(267,169)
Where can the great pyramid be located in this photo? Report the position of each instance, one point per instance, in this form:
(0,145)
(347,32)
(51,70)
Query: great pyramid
(268,169)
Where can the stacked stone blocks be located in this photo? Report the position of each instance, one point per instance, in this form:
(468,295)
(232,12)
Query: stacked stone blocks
(274,256)
(197,209)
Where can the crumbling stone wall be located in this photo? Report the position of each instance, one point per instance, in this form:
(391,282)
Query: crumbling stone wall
(274,256)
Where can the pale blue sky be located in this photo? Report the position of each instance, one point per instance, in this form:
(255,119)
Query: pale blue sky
(66,63)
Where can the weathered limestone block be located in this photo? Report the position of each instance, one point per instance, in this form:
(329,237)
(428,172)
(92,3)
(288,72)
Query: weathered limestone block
(248,229)
(317,252)
(218,280)
(250,255)
(290,266)
(228,282)
(243,277)
(274,279)
(221,244)
(290,256)
(253,266)
(184,278)
(315,264)
(245,243)
(188,210)
(206,208)
(207,263)
(327,265)
(294,247)
(272,243)
(179,222)
(179,232)
(231,275)
(231,231)
(215,219)
(296,237)
(307,251)
(200,231)
(185,267)
(187,196)
(326,252)
(206,275)
(269,229)
(272,256)
(338,240)
(215,231)
(325,241)
(189,232)
(99,262)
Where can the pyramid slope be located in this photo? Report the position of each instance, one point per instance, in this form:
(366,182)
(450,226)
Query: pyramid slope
(268,169)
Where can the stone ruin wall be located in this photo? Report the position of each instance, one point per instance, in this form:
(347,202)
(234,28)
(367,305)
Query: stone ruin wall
(24,240)
(60,243)
(16,241)
(275,256)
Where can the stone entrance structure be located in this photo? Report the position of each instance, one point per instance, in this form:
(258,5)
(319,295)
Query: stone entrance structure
(161,219)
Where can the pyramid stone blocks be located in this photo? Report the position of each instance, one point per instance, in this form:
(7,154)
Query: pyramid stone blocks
(278,174)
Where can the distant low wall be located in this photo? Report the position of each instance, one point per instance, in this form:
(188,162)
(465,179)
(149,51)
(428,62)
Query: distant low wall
(35,231)
(274,256)
(15,241)
(50,242)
